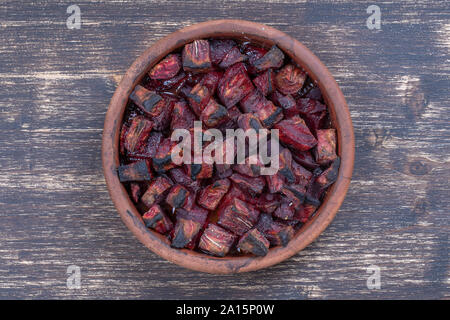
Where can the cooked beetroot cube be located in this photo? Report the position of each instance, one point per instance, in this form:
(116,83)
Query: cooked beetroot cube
(163,158)
(329,176)
(219,49)
(307,86)
(136,171)
(275,182)
(268,202)
(161,122)
(265,82)
(277,233)
(214,114)
(305,212)
(286,210)
(196,213)
(254,242)
(238,217)
(148,151)
(305,158)
(250,169)
(285,163)
(122,137)
(310,106)
(200,171)
(295,193)
(290,79)
(156,191)
(136,136)
(254,185)
(294,133)
(248,121)
(315,94)
(175,83)
(269,114)
(253,52)
(196,56)
(234,85)
(149,101)
(198,98)
(182,116)
(135,190)
(253,101)
(177,197)
(286,102)
(211,195)
(185,231)
(216,241)
(211,81)
(302,175)
(272,59)
(233,56)
(325,151)
(156,219)
(181,177)
(167,68)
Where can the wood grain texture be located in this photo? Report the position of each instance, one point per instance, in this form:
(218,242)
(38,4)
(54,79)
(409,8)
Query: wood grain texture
(55,87)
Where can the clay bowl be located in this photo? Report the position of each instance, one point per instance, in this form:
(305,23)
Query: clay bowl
(340,117)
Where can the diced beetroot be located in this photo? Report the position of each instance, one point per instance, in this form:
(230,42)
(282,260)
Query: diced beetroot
(163,159)
(177,197)
(211,195)
(148,151)
(275,182)
(272,59)
(305,158)
(234,85)
(211,81)
(198,98)
(253,102)
(200,171)
(248,121)
(156,219)
(182,117)
(254,185)
(219,49)
(329,176)
(196,56)
(269,114)
(214,114)
(295,193)
(216,240)
(307,86)
(286,102)
(149,101)
(302,175)
(310,106)
(185,231)
(290,79)
(325,151)
(181,177)
(167,68)
(286,210)
(135,190)
(136,171)
(238,217)
(249,169)
(233,56)
(254,242)
(156,191)
(136,136)
(265,82)
(268,202)
(305,212)
(276,232)
(294,133)
(196,213)
(162,121)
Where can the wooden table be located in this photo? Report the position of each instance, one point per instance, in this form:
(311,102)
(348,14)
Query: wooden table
(56,84)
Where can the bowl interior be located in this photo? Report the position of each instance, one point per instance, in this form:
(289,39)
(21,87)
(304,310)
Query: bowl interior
(243,31)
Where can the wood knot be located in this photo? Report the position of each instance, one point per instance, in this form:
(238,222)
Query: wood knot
(418,168)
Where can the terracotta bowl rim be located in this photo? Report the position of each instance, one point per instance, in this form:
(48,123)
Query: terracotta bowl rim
(338,110)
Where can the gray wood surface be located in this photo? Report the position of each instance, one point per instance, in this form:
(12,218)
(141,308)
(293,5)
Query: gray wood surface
(55,86)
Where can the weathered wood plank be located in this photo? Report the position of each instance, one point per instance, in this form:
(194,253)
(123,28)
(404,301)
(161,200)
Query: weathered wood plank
(56,84)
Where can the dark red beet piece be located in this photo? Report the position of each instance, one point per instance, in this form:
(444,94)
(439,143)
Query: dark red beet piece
(211,81)
(167,68)
(290,79)
(135,190)
(254,185)
(179,176)
(163,159)
(177,197)
(269,114)
(156,191)
(248,121)
(233,56)
(286,102)
(305,212)
(184,232)
(182,117)
(238,217)
(286,210)
(325,151)
(302,175)
(136,136)
(199,170)
(254,242)
(219,49)
(234,85)
(136,171)
(198,97)
(305,158)
(294,133)
(214,114)
(329,176)
(216,240)
(211,195)
(295,193)
(265,82)
(149,101)
(156,219)
(196,56)
(253,102)
(272,59)
(276,232)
